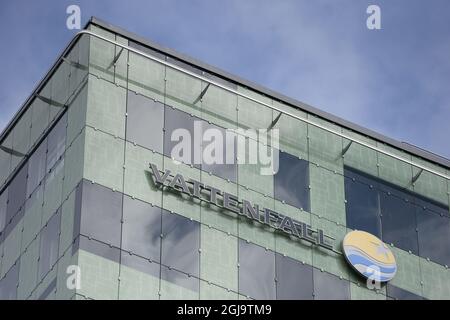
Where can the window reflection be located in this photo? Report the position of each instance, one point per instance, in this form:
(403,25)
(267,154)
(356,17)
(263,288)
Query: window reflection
(141,231)
(180,243)
(256,271)
(330,287)
(145,121)
(101,212)
(294,279)
(292,181)
(48,253)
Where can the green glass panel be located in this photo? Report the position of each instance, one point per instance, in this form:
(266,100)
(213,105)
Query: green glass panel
(176,201)
(67,223)
(137,285)
(53,191)
(219,106)
(11,248)
(32,217)
(436,280)
(40,113)
(76,118)
(255,231)
(101,54)
(429,184)
(292,131)
(66,276)
(248,109)
(327,194)
(358,156)
(360,292)
(99,276)
(325,148)
(146,77)
(73,164)
(28,270)
(219,258)
(408,276)
(138,179)
(104,159)
(327,260)
(393,170)
(121,62)
(215,216)
(183,92)
(106,107)
(21,137)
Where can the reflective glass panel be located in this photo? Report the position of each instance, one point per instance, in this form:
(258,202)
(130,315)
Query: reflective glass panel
(8,285)
(362,207)
(434,236)
(330,287)
(36,166)
(48,253)
(180,279)
(179,142)
(101,213)
(180,243)
(256,271)
(17,192)
(140,264)
(398,221)
(141,231)
(400,294)
(145,121)
(292,181)
(215,149)
(294,279)
(56,142)
(3,201)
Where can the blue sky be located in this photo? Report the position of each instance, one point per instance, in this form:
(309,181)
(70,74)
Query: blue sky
(395,81)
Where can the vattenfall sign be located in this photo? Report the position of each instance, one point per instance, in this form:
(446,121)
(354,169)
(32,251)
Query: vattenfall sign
(220,198)
(367,254)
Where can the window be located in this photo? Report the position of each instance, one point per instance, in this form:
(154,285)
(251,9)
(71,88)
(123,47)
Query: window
(145,121)
(256,271)
(56,142)
(180,243)
(330,287)
(48,253)
(362,207)
(101,212)
(3,202)
(181,126)
(292,181)
(400,294)
(36,166)
(294,279)
(17,192)
(8,285)
(398,221)
(141,231)
(434,236)
(218,143)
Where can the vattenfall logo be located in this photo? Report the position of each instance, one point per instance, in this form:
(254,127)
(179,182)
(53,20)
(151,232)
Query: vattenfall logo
(370,256)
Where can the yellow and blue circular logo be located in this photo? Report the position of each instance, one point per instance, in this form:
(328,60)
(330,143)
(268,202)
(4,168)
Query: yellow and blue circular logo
(370,256)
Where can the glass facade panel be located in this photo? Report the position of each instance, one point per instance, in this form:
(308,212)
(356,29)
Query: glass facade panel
(49,249)
(294,279)
(56,142)
(362,207)
(180,243)
(397,293)
(101,213)
(292,181)
(179,141)
(17,192)
(330,287)
(434,236)
(145,121)
(36,165)
(8,285)
(256,271)
(3,203)
(141,230)
(398,222)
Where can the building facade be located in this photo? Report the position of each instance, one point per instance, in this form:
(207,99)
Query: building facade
(82,215)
